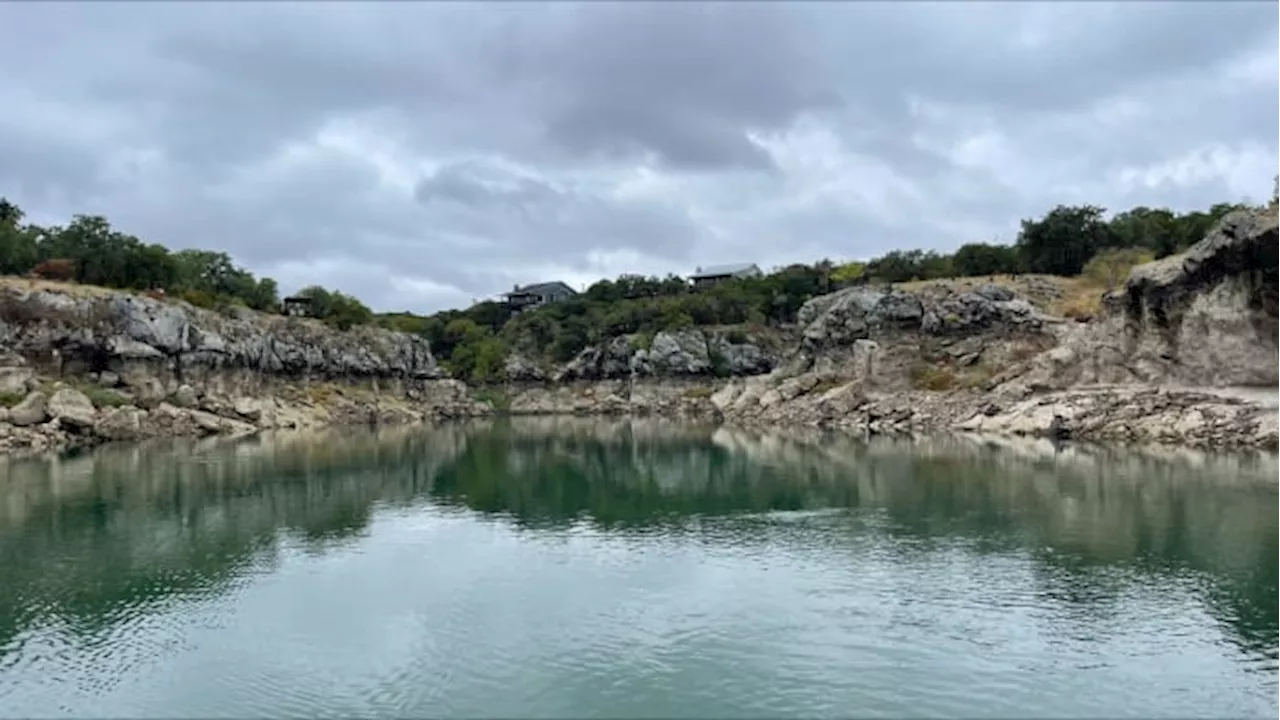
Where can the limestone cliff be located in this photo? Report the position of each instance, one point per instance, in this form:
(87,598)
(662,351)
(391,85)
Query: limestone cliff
(156,367)
(1206,317)
(1161,363)
(1185,352)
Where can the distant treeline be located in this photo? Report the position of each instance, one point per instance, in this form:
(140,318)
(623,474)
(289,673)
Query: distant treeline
(89,251)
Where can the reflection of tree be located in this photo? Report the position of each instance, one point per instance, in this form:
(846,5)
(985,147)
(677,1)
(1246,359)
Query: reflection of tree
(82,538)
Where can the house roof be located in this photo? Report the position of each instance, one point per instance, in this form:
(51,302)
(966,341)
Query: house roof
(538,288)
(729,269)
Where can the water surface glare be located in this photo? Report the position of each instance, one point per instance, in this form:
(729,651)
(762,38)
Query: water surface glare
(575,568)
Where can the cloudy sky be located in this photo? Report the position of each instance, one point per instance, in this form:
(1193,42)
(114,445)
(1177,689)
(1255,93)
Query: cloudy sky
(420,155)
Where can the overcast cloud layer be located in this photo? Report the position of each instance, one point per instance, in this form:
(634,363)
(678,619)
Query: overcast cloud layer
(420,155)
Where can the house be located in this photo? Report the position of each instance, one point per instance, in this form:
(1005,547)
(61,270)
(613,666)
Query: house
(708,276)
(297,306)
(532,296)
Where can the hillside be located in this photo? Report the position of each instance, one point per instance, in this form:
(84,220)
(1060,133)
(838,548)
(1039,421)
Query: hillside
(808,345)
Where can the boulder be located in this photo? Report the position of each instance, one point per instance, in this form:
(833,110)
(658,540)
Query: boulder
(518,368)
(72,409)
(31,411)
(14,380)
(121,423)
(185,397)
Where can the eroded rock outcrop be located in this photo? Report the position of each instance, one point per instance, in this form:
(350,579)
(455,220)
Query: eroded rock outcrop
(1205,317)
(1164,363)
(118,332)
(93,365)
(671,354)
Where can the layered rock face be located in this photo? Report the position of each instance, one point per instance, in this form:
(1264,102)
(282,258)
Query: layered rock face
(118,332)
(676,354)
(846,344)
(1164,363)
(1185,352)
(1206,317)
(157,368)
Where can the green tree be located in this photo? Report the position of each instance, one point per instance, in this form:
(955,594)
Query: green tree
(1064,240)
(336,308)
(977,259)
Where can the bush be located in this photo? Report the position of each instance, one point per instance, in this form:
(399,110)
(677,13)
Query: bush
(935,379)
(1112,266)
(200,299)
(494,397)
(10,399)
(59,269)
(101,397)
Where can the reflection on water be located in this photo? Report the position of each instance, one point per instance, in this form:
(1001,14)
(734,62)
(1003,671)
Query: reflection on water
(588,568)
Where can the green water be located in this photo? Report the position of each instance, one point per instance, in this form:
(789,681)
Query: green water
(581,569)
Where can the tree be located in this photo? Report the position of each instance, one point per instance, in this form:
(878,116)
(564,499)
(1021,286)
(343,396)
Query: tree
(1144,227)
(336,308)
(10,215)
(985,259)
(1064,240)
(1112,266)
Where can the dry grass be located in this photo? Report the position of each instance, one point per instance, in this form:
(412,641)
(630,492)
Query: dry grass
(1074,297)
(323,394)
(933,378)
(699,393)
(826,386)
(67,288)
(1081,306)
(940,378)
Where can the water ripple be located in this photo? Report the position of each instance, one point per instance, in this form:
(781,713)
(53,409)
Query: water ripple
(488,574)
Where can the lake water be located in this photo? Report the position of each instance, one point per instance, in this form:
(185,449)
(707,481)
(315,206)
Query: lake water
(580,569)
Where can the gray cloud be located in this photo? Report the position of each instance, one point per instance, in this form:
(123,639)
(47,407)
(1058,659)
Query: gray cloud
(424,154)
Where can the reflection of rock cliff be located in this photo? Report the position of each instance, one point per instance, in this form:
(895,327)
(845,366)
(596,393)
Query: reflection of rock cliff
(150,524)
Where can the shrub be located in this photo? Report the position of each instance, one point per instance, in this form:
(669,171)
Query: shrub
(929,377)
(200,299)
(60,269)
(101,397)
(495,397)
(1111,266)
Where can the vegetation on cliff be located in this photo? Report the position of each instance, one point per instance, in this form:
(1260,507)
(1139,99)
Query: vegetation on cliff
(1067,241)
(474,343)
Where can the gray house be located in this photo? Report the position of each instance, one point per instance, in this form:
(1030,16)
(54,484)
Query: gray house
(708,276)
(531,296)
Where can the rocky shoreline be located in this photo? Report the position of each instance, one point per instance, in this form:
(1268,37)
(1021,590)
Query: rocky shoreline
(81,366)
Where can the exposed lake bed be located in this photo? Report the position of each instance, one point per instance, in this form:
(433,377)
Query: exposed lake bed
(593,568)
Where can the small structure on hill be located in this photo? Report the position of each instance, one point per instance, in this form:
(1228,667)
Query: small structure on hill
(297,306)
(716,274)
(538,294)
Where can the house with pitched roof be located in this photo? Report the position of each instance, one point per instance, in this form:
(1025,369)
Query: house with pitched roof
(716,274)
(538,294)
